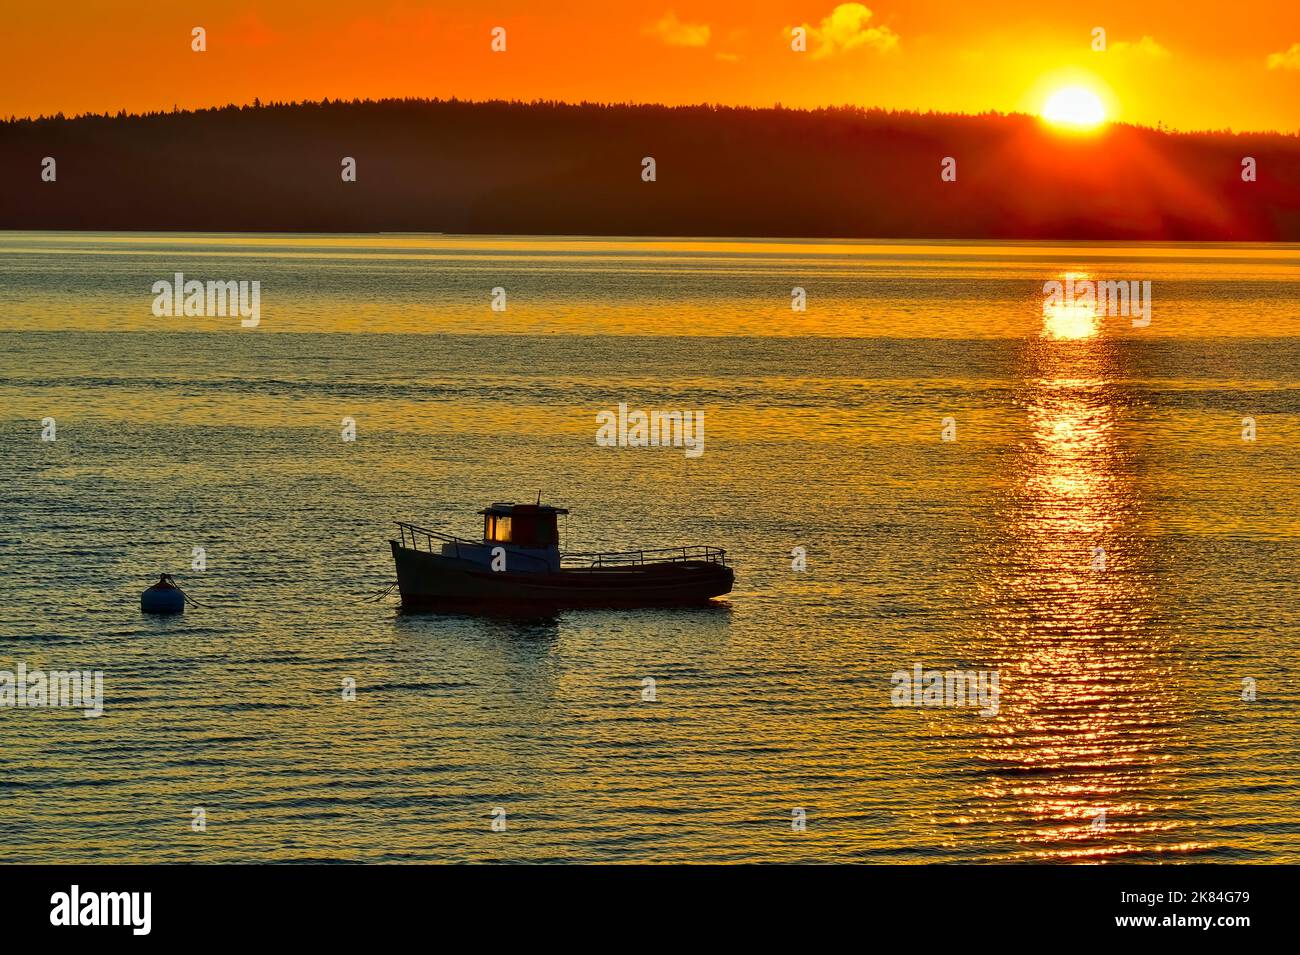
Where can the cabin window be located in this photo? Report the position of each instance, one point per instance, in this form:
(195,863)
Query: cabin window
(496,528)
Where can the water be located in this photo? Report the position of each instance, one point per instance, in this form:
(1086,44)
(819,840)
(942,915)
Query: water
(1121,689)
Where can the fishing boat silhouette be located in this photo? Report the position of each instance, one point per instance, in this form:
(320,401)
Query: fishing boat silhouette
(518,564)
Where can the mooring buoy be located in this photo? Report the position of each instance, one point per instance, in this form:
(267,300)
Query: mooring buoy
(163,597)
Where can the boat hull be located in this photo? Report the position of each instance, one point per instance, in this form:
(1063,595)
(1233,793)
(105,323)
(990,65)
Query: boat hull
(429,581)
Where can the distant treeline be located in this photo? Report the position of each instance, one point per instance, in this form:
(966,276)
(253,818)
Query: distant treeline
(553,168)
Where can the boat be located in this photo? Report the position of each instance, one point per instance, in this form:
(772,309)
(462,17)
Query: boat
(518,565)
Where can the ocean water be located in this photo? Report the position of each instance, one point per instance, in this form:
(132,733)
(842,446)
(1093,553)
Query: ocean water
(1098,534)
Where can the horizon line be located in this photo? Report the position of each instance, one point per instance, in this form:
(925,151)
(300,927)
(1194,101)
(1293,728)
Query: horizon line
(257,103)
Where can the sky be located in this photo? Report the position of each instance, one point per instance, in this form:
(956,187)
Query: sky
(1189,64)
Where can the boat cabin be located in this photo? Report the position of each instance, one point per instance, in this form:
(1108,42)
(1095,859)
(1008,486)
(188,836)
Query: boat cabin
(530,526)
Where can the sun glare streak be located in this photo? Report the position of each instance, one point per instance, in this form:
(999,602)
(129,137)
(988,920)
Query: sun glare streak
(1084,757)
(1070,321)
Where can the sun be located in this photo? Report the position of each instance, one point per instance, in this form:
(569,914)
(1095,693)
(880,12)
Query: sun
(1076,107)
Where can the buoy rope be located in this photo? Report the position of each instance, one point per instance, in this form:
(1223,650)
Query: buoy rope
(380,594)
(187,598)
(377,595)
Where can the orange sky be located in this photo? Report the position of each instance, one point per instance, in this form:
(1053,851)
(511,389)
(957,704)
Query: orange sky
(1188,63)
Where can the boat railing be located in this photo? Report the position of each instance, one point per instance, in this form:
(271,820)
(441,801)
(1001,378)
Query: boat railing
(658,555)
(415,537)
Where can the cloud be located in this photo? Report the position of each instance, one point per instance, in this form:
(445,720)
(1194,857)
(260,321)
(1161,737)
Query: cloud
(1147,46)
(1290,60)
(846,29)
(676,33)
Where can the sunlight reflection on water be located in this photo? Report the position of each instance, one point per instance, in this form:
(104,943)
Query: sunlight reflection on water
(1120,686)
